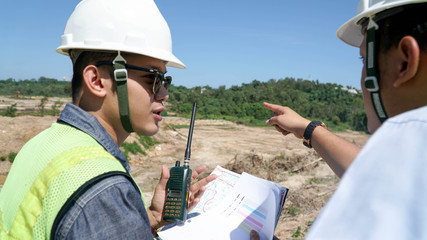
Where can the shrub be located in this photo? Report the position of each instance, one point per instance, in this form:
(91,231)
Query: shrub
(12,156)
(55,108)
(11,111)
(336,120)
(42,105)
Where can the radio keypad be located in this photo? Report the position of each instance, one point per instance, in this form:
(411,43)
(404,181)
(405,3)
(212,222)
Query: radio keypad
(173,207)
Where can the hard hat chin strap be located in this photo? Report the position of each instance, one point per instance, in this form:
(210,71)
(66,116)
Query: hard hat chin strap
(121,76)
(371,80)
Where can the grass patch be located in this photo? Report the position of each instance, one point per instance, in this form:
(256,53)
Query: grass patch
(313,181)
(145,143)
(133,147)
(293,210)
(297,234)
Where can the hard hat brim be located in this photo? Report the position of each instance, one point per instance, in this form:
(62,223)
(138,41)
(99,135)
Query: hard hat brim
(170,59)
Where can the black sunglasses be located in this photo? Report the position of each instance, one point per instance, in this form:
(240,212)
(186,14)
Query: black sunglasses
(159,77)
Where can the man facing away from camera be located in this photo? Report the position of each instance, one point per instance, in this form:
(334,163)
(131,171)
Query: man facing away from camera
(382,194)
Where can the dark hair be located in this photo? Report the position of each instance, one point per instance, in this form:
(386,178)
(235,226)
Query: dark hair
(410,20)
(83,60)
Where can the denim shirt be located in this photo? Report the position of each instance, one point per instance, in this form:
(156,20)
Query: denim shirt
(112,208)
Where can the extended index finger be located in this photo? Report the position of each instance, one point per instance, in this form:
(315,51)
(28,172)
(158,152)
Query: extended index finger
(273,107)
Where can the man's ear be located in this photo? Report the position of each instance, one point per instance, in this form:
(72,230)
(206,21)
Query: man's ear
(409,52)
(93,81)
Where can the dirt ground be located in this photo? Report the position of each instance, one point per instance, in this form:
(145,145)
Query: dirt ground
(260,151)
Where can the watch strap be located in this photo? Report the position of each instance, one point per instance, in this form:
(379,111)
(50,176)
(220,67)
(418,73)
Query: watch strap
(309,132)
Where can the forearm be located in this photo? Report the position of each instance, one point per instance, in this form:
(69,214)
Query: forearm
(337,152)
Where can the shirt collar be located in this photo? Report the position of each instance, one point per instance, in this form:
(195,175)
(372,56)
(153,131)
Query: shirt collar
(76,117)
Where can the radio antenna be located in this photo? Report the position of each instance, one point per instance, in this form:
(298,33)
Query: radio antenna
(190,136)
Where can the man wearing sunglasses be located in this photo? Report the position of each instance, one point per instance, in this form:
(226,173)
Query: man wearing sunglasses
(72,181)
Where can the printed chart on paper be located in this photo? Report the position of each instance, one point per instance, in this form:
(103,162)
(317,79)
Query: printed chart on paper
(217,190)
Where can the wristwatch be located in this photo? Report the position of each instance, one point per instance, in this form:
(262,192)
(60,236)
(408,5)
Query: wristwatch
(309,131)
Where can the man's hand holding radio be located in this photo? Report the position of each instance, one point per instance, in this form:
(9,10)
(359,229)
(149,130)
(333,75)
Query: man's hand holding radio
(196,191)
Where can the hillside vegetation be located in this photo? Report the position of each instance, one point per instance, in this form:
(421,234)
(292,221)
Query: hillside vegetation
(341,108)
(47,87)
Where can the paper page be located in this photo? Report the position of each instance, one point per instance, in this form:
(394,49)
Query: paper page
(279,192)
(254,207)
(216,190)
(253,203)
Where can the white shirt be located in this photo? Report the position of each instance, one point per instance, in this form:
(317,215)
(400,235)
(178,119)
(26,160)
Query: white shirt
(383,194)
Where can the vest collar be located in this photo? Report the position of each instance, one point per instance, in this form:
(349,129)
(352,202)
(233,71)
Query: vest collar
(76,117)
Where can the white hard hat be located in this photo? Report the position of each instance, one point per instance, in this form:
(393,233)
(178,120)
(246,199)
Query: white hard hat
(134,26)
(350,32)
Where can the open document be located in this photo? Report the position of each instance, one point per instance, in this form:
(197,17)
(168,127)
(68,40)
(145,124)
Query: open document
(231,207)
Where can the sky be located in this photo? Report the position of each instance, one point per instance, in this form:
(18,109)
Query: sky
(222,42)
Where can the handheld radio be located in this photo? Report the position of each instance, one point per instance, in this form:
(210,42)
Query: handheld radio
(178,186)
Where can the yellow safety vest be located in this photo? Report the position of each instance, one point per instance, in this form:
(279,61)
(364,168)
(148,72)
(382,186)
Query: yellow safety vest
(50,172)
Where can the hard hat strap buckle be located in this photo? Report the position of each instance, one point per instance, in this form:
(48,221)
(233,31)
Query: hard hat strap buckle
(120,72)
(371,80)
(371,84)
(120,75)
